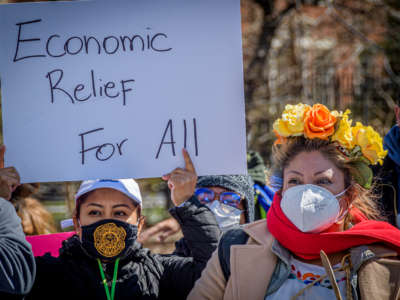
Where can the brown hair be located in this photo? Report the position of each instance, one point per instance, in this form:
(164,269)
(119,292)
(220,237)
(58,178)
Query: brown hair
(360,197)
(32,212)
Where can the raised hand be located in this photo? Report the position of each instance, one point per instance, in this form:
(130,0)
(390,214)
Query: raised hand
(182,182)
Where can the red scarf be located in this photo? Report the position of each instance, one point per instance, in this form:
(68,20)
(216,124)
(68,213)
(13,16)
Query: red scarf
(308,245)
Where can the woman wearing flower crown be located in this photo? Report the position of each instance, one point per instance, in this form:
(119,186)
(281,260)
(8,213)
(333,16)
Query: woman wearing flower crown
(323,237)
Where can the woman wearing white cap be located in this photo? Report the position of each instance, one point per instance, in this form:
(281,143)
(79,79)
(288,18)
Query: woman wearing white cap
(104,260)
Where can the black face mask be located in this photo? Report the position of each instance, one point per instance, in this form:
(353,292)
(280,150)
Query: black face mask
(108,239)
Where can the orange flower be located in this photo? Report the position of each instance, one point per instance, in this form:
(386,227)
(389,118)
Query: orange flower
(319,122)
(279,139)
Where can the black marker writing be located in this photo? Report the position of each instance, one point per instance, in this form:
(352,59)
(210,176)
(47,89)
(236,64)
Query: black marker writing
(171,141)
(20,41)
(92,89)
(195,137)
(104,151)
(56,47)
(184,134)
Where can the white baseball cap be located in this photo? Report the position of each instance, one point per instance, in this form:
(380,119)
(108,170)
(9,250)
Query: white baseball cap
(129,187)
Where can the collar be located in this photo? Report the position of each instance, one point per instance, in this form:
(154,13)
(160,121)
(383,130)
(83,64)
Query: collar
(258,231)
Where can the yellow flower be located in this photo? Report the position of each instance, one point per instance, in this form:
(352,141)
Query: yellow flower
(292,121)
(370,143)
(343,133)
(337,114)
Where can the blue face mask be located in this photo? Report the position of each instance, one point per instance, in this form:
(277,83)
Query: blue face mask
(108,239)
(227,216)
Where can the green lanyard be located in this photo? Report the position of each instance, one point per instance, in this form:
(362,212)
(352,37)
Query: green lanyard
(113,281)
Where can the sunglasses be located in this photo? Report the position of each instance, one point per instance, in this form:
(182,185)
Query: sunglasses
(206,196)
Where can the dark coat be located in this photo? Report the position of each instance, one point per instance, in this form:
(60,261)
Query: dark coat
(141,275)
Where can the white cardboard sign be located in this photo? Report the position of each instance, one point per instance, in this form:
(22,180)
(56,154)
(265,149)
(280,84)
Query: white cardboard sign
(115,89)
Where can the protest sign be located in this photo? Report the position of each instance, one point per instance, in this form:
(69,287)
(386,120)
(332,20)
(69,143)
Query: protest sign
(115,89)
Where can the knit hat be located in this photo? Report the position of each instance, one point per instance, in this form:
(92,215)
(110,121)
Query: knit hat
(241,184)
(256,167)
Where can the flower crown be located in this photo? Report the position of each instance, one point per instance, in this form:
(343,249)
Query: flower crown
(360,144)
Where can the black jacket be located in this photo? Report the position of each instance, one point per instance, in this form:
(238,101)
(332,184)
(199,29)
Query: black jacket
(17,264)
(141,275)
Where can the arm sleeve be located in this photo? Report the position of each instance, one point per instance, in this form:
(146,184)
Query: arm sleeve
(199,227)
(212,283)
(17,264)
(201,234)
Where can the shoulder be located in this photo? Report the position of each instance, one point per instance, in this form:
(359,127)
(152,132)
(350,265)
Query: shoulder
(252,233)
(48,265)
(378,269)
(70,255)
(255,233)
(8,216)
(236,236)
(5,206)
(258,233)
(49,271)
(362,255)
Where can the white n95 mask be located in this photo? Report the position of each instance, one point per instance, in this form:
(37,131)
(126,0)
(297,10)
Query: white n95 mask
(311,208)
(227,216)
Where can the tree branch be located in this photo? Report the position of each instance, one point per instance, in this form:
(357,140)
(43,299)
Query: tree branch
(255,67)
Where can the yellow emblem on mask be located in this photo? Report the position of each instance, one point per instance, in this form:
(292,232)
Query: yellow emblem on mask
(109,240)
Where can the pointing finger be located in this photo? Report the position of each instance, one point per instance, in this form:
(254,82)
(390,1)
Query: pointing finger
(188,161)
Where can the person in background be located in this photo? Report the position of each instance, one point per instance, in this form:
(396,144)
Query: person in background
(34,216)
(104,260)
(264,194)
(17,264)
(388,175)
(323,237)
(229,197)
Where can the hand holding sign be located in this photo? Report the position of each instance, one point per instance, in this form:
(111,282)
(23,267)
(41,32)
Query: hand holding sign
(182,182)
(9,177)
